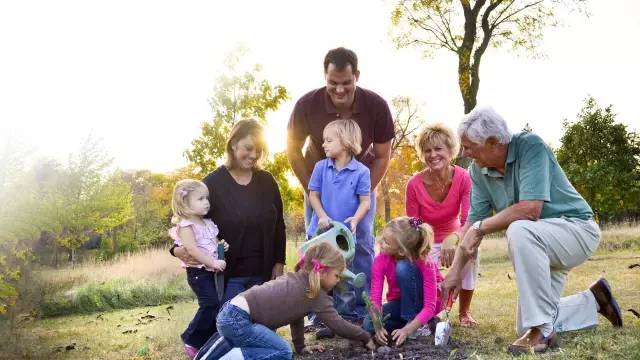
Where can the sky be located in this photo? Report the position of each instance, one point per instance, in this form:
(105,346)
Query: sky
(138,74)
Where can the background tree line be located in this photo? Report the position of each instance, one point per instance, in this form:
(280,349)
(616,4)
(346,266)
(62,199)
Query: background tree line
(52,212)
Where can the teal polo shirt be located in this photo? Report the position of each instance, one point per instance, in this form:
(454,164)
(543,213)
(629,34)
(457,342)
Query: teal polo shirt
(531,173)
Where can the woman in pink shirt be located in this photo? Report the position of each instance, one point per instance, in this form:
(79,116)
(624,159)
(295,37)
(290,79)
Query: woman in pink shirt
(412,295)
(439,196)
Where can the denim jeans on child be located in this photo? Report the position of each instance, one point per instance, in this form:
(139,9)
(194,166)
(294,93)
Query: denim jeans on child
(255,340)
(348,299)
(203,324)
(237,285)
(406,308)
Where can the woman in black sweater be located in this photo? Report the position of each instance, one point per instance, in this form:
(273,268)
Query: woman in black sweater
(247,208)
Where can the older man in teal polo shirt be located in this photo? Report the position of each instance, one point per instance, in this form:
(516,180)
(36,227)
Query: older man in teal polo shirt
(518,185)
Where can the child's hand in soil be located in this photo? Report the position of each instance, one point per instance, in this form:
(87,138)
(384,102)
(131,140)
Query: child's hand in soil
(370,345)
(312,348)
(381,336)
(400,335)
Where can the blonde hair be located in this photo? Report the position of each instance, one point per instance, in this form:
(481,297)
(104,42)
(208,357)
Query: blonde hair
(242,129)
(415,239)
(348,133)
(179,202)
(436,133)
(328,256)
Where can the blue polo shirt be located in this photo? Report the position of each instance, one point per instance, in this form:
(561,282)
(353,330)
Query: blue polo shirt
(531,173)
(339,189)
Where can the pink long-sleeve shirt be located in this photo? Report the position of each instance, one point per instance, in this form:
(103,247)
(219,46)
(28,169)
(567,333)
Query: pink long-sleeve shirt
(445,217)
(384,266)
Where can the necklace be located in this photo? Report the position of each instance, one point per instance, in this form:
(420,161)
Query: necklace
(440,186)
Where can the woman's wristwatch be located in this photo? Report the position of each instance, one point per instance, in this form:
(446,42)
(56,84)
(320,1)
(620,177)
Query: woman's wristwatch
(478,227)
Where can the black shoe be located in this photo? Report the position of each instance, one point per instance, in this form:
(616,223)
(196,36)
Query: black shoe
(608,305)
(214,348)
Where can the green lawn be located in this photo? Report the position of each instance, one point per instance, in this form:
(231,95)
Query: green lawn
(133,334)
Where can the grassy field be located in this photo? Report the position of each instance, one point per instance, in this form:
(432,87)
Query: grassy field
(152,332)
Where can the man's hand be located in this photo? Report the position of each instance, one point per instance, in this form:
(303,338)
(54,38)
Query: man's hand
(451,283)
(181,253)
(278,270)
(352,222)
(324,222)
(470,243)
(312,348)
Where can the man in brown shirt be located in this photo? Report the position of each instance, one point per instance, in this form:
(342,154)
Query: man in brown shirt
(342,99)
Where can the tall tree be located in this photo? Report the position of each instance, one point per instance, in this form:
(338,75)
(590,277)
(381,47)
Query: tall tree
(236,95)
(88,200)
(602,159)
(18,215)
(151,198)
(468,28)
(405,121)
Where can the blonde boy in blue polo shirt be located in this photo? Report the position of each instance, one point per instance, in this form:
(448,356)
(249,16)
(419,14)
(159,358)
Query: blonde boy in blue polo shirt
(339,190)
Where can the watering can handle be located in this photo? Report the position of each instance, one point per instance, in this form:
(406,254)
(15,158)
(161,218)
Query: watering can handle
(332,224)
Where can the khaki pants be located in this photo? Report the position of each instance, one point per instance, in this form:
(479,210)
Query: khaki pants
(542,253)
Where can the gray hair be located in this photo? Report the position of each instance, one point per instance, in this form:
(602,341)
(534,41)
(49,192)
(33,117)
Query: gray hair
(482,123)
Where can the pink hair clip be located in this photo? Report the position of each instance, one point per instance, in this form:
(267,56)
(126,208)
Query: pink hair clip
(318,266)
(183,192)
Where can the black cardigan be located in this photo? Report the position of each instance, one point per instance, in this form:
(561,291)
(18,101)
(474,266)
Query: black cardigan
(231,221)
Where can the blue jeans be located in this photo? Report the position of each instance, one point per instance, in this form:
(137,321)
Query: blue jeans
(203,324)
(347,298)
(406,308)
(256,341)
(237,285)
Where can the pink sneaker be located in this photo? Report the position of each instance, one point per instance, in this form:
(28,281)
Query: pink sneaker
(190,351)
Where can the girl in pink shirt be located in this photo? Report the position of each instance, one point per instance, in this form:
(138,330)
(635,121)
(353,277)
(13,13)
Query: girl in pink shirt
(200,237)
(412,280)
(439,196)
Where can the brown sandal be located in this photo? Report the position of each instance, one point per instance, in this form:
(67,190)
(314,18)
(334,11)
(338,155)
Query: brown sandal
(466,320)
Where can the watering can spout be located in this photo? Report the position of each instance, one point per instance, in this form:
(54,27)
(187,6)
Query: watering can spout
(341,238)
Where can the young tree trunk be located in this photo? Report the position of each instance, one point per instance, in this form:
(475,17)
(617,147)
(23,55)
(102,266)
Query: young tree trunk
(114,242)
(386,199)
(55,254)
(465,80)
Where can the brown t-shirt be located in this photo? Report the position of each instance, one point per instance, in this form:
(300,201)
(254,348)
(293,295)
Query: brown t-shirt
(314,111)
(284,301)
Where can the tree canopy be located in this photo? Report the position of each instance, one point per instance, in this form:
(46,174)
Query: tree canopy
(237,95)
(602,159)
(468,28)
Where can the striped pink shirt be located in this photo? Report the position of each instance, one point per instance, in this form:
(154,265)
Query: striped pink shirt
(447,216)
(384,266)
